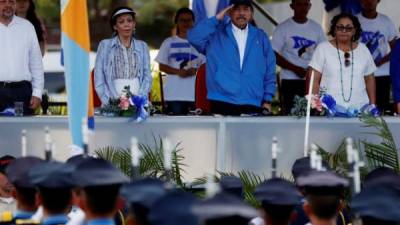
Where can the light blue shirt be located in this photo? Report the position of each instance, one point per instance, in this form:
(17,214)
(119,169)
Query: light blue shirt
(55,220)
(19,214)
(104,72)
(101,222)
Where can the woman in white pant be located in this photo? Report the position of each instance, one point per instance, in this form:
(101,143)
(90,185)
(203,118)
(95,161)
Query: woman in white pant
(343,67)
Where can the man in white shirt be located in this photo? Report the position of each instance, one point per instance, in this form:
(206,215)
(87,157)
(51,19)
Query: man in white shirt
(379,35)
(21,70)
(294,42)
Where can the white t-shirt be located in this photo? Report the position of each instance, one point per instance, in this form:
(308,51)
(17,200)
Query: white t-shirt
(296,43)
(173,52)
(326,61)
(376,35)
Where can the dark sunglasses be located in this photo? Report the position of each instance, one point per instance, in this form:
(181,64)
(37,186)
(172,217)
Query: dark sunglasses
(344,29)
(347,61)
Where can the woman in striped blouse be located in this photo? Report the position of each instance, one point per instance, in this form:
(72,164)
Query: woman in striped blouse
(122,60)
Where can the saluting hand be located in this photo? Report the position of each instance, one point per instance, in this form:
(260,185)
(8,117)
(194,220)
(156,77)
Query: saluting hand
(220,15)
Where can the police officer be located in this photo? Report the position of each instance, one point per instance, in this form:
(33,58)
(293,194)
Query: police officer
(7,202)
(278,199)
(141,194)
(25,191)
(302,167)
(323,191)
(377,204)
(99,183)
(54,184)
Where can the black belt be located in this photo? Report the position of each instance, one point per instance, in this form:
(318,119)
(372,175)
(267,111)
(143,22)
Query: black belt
(19,84)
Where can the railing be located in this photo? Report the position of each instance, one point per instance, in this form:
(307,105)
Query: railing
(265,13)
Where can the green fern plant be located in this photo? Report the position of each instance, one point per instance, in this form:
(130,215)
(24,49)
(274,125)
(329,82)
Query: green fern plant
(152,162)
(384,153)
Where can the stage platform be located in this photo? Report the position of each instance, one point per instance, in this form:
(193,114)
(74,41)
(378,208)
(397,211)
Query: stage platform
(209,143)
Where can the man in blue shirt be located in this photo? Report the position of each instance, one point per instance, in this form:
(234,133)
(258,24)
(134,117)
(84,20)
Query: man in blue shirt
(240,61)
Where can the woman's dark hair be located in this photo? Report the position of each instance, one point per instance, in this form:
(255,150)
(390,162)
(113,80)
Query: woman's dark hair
(181,11)
(32,17)
(354,20)
(113,19)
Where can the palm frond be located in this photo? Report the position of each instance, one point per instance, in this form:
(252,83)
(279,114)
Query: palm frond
(385,153)
(337,161)
(119,157)
(152,162)
(250,181)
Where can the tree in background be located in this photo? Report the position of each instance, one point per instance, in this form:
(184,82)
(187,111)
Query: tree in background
(155,18)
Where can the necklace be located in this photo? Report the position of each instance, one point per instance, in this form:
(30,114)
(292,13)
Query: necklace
(341,72)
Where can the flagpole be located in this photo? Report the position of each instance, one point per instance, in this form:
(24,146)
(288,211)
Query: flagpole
(307,129)
(274,156)
(23,144)
(167,159)
(48,145)
(76,47)
(135,158)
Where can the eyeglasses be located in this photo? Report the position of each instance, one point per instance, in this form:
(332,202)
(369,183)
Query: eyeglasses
(344,28)
(347,61)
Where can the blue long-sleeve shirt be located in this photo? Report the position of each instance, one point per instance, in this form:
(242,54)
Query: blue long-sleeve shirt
(226,81)
(395,71)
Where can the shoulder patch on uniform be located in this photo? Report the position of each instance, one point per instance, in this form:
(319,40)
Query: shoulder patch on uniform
(27,222)
(6,216)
